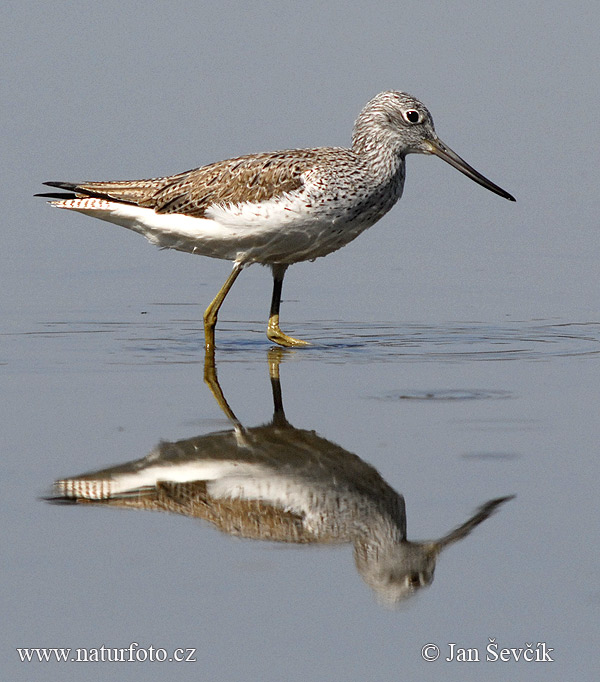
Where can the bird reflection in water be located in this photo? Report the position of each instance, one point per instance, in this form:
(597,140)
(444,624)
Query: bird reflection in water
(275,482)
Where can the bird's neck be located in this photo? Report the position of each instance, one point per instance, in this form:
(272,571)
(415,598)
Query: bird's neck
(383,159)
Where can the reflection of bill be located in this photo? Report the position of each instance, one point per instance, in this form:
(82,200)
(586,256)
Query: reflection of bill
(279,483)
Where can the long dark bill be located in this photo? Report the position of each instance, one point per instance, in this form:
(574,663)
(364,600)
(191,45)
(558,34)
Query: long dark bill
(438,148)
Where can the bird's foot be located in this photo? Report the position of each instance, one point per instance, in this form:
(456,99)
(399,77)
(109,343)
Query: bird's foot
(275,335)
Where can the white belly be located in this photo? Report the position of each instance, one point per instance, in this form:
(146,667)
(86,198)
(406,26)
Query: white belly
(289,229)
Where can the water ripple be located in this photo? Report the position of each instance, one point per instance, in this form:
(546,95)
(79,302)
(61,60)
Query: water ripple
(449,395)
(181,341)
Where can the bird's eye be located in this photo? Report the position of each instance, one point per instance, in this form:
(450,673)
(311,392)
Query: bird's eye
(412,116)
(414,580)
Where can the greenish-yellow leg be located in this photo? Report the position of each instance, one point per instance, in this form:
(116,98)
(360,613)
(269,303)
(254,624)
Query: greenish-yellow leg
(210,314)
(210,379)
(274,332)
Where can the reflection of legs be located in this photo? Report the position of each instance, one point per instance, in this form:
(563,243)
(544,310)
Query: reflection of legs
(274,333)
(275,356)
(210,379)
(210,314)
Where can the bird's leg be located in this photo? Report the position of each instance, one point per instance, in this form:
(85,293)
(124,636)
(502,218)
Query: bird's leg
(275,357)
(274,333)
(210,314)
(211,380)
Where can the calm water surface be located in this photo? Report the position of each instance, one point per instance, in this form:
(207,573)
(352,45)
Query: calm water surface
(372,511)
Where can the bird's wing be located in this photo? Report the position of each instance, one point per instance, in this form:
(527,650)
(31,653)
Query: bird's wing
(257,177)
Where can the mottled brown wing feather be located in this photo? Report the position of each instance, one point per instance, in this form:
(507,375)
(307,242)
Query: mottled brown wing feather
(257,177)
(126,191)
(251,178)
(252,519)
